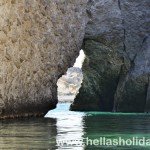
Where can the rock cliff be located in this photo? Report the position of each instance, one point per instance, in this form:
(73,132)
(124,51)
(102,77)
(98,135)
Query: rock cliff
(69,84)
(117,66)
(39,40)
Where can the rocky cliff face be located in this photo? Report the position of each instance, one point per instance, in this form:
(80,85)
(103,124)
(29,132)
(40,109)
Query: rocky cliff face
(69,84)
(39,40)
(117,67)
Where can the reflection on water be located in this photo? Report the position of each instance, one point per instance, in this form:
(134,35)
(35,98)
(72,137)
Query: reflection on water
(61,124)
(69,125)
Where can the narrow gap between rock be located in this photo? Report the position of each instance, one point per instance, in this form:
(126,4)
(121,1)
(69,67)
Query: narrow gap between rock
(70,83)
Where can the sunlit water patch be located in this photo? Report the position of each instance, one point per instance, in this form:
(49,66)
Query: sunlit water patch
(69,126)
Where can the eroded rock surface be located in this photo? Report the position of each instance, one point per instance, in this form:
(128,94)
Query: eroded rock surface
(117,46)
(39,40)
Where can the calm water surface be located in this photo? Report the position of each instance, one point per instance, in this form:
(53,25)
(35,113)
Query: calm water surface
(61,124)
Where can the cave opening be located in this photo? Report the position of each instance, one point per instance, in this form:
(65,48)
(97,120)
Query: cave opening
(68,85)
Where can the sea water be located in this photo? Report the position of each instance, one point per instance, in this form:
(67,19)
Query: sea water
(62,129)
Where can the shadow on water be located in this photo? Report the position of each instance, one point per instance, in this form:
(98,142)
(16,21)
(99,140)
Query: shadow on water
(62,124)
(28,134)
(115,126)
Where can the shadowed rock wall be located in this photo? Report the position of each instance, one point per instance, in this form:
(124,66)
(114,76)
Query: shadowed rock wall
(117,66)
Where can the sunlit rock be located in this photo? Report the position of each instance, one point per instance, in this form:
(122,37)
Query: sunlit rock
(39,40)
(69,84)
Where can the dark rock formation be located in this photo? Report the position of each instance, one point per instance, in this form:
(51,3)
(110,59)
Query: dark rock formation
(39,40)
(117,46)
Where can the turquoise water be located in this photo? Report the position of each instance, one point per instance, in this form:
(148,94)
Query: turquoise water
(65,130)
